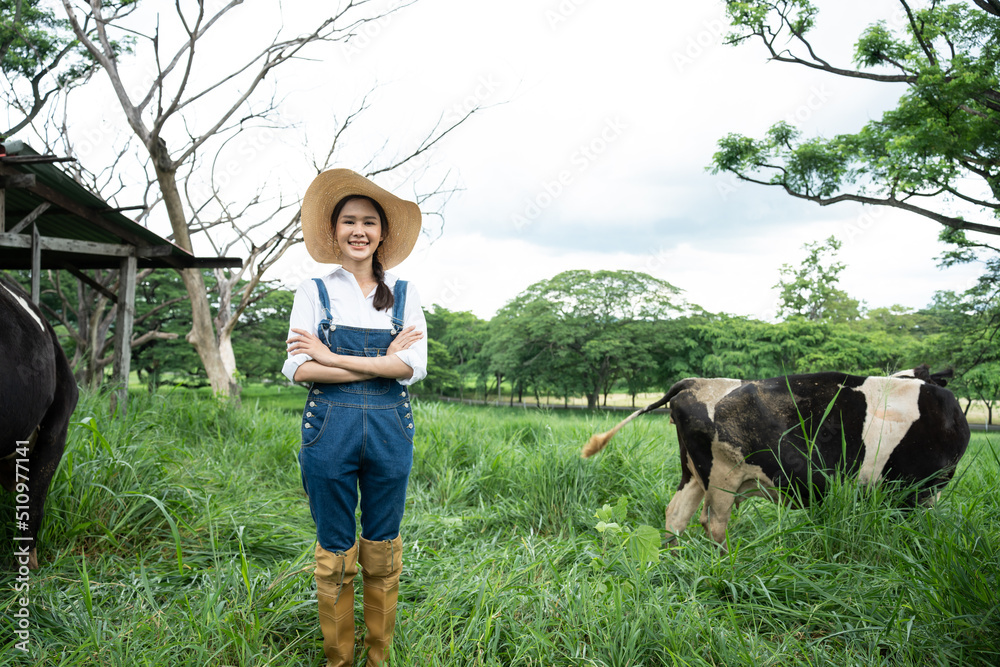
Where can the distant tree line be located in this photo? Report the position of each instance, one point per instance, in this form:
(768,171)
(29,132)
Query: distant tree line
(588,333)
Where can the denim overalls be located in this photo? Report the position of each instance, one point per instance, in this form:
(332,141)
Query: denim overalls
(357,434)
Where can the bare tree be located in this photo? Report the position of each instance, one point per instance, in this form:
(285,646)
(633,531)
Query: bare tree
(170,98)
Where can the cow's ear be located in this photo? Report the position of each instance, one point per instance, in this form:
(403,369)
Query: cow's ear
(941,378)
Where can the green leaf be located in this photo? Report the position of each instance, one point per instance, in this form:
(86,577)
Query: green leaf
(644,544)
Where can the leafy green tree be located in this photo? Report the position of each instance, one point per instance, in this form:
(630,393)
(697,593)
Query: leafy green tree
(39,56)
(742,347)
(810,290)
(747,348)
(574,333)
(983,383)
(441,375)
(462,335)
(940,145)
(259,336)
(967,335)
(157,361)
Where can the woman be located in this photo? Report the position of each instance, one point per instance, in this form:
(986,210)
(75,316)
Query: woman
(356,334)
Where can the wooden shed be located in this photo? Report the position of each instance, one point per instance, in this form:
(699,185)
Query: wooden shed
(49,221)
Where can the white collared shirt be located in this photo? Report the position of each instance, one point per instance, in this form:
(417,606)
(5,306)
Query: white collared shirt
(348,306)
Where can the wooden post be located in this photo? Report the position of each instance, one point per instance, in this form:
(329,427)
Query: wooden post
(36,265)
(3,210)
(123,332)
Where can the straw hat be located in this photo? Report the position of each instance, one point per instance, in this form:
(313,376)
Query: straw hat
(323,195)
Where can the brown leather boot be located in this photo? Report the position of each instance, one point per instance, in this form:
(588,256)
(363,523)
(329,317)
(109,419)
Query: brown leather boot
(335,571)
(381,563)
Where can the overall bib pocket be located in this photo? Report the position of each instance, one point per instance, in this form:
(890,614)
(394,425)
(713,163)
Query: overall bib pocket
(373,387)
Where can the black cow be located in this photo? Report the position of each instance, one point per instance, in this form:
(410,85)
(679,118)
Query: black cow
(38,394)
(777,437)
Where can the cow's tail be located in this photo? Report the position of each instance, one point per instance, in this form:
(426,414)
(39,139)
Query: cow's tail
(598,441)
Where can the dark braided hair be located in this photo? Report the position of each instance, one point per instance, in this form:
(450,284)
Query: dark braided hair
(383,295)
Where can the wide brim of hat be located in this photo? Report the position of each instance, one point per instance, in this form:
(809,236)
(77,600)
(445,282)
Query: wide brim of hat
(323,195)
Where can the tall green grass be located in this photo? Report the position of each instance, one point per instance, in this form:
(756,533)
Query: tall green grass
(180,535)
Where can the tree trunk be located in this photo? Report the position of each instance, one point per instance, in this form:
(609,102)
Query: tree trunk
(202,334)
(227,354)
(96,335)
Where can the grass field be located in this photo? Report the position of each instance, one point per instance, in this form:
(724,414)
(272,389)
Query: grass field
(180,535)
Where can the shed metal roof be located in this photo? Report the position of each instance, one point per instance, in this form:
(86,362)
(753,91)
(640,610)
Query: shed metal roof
(78,214)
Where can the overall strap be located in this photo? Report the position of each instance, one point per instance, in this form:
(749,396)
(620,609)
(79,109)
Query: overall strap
(325,324)
(324,297)
(398,306)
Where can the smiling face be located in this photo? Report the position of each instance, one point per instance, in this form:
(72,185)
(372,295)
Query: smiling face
(357,231)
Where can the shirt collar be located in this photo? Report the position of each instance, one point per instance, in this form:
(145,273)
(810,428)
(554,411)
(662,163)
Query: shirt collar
(390,279)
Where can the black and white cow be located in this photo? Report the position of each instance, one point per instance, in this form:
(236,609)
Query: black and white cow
(771,437)
(38,394)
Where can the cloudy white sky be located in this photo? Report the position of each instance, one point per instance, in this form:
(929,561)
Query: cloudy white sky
(599,120)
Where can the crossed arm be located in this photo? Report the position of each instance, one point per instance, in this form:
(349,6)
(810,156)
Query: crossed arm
(327,366)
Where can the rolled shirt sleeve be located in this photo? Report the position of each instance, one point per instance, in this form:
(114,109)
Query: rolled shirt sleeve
(416,356)
(305,315)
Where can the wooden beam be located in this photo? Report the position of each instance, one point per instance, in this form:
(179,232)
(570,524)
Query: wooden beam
(17,180)
(35,159)
(36,265)
(154,250)
(68,245)
(31,217)
(123,330)
(83,277)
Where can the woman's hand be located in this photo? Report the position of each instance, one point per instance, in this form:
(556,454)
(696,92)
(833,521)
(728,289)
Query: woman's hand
(403,340)
(308,343)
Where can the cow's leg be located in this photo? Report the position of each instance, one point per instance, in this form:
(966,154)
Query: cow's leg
(683,506)
(718,510)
